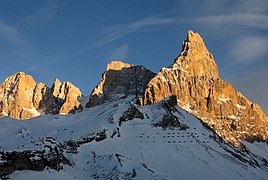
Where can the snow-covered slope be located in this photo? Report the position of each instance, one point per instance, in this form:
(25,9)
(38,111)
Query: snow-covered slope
(120,140)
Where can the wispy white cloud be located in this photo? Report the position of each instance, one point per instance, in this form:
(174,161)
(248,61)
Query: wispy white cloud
(10,34)
(217,18)
(217,7)
(119,53)
(236,19)
(42,15)
(41,66)
(249,49)
(248,20)
(259,6)
(118,31)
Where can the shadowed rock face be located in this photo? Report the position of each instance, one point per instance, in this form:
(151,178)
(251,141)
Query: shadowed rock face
(194,79)
(51,156)
(120,80)
(22,98)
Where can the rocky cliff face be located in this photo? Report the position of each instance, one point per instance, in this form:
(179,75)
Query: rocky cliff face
(16,94)
(67,94)
(120,80)
(22,98)
(195,80)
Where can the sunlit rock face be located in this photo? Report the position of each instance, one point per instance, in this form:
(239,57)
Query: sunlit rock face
(195,80)
(22,98)
(118,81)
(16,94)
(68,94)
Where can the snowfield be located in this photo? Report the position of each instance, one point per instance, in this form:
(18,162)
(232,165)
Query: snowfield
(121,140)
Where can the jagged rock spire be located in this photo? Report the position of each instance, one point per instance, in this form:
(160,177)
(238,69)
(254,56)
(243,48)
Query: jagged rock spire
(22,98)
(67,94)
(195,57)
(195,80)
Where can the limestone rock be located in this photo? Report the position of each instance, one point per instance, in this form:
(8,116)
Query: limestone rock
(195,80)
(120,80)
(195,57)
(117,66)
(16,94)
(38,95)
(67,95)
(22,98)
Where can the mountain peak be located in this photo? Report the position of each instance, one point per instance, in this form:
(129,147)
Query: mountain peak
(117,65)
(57,81)
(195,57)
(16,94)
(22,98)
(193,36)
(120,80)
(194,44)
(19,76)
(195,80)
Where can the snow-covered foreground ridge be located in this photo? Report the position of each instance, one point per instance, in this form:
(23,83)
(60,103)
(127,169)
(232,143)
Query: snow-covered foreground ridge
(121,140)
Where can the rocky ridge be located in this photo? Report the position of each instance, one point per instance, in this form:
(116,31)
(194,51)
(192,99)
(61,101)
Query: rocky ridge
(195,80)
(22,98)
(120,80)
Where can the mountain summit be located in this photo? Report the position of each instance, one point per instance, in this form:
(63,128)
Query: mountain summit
(195,57)
(195,80)
(22,98)
(192,124)
(16,95)
(120,80)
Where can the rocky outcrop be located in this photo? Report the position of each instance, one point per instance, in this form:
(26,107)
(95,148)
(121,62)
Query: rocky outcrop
(169,120)
(22,98)
(67,96)
(52,156)
(16,95)
(120,80)
(39,93)
(194,79)
(130,114)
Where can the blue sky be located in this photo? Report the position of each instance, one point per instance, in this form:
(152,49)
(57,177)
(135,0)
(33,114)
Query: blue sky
(74,40)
